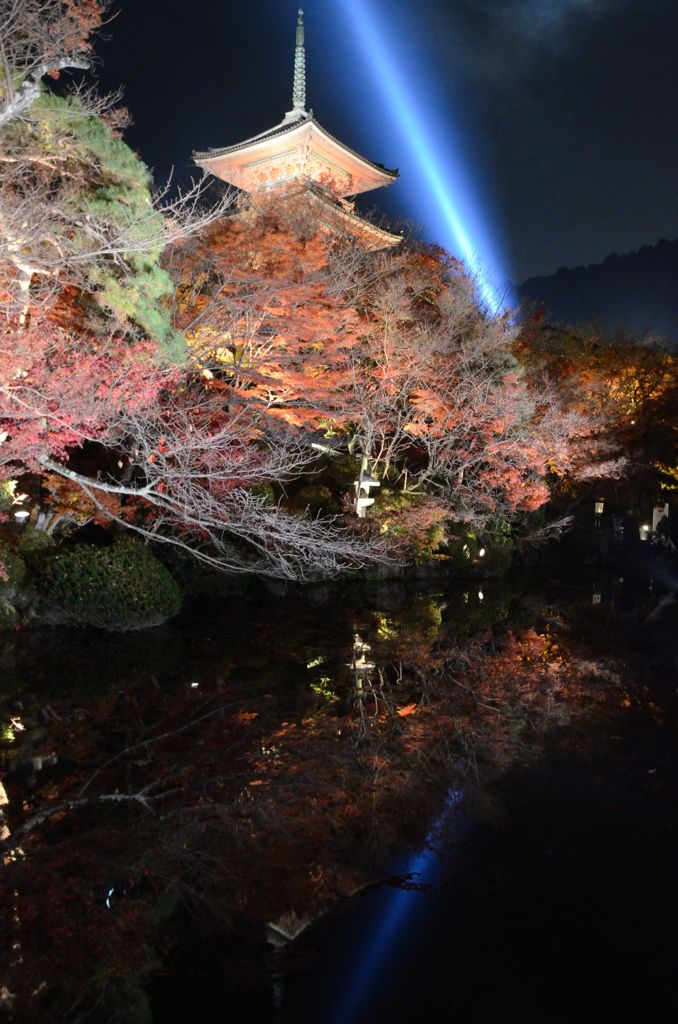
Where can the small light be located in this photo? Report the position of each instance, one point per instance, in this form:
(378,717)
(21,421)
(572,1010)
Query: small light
(599,506)
(597,598)
(481,553)
(22,515)
(633,423)
(480,595)
(194,686)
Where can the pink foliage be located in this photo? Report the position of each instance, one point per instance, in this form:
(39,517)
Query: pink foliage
(63,388)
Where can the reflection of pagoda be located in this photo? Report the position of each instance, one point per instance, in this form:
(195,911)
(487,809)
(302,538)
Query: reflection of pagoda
(298,151)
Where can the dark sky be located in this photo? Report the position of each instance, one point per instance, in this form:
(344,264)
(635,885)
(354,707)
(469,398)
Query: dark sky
(563,111)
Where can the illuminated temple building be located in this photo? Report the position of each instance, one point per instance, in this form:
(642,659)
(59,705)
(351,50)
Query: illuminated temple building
(300,153)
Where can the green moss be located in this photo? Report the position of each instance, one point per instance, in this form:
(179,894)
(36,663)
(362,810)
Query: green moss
(120,587)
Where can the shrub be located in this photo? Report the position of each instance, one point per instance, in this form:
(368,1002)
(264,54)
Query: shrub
(8,615)
(265,491)
(316,499)
(119,587)
(412,525)
(35,545)
(7,495)
(465,547)
(13,572)
(463,551)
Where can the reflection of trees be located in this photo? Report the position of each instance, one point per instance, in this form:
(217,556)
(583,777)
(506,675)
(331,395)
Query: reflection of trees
(239,803)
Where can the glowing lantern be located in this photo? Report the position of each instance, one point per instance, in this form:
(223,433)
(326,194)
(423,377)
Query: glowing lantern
(361,504)
(364,483)
(368,481)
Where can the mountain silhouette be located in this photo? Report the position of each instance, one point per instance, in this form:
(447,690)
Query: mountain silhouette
(635,293)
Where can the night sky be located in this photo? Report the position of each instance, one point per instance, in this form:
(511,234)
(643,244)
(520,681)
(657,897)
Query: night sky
(563,112)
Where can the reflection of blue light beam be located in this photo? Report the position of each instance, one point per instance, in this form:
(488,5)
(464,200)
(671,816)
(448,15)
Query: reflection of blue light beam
(461,225)
(421,867)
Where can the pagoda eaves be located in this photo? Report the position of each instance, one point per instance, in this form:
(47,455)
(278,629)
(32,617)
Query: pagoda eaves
(295,150)
(299,152)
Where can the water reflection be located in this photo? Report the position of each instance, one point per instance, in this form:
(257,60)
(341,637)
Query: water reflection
(233,771)
(398,905)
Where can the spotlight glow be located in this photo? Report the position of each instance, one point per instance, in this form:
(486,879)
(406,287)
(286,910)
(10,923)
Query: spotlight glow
(423,867)
(444,192)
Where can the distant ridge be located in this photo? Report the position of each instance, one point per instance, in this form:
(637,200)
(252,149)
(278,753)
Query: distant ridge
(637,292)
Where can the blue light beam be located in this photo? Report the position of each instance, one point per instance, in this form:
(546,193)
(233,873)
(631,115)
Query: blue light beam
(427,137)
(422,868)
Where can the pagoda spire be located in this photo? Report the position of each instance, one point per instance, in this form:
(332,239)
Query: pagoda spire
(299,154)
(299,87)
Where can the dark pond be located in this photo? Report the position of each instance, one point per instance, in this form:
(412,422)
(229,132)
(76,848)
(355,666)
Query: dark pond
(461,803)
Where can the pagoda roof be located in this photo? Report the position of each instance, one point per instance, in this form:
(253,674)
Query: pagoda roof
(339,214)
(236,164)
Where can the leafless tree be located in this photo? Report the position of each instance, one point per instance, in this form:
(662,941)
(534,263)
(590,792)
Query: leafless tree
(194,485)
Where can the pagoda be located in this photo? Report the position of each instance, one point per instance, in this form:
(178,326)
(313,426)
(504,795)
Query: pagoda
(298,153)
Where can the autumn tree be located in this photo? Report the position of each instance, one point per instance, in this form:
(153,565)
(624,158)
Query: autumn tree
(91,362)
(443,406)
(389,352)
(76,208)
(194,357)
(627,391)
(267,312)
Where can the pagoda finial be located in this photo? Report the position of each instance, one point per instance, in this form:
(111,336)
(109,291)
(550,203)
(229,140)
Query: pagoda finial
(299,89)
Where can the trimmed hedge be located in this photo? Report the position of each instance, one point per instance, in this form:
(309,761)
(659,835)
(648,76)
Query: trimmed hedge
(118,588)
